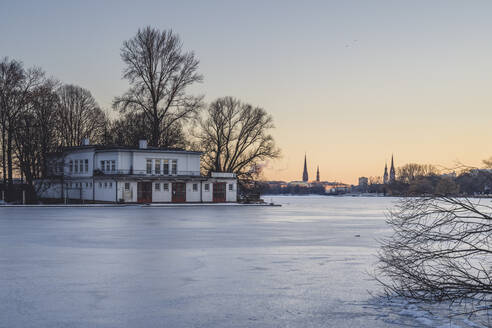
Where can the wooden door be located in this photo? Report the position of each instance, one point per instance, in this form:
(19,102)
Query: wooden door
(144,192)
(179,192)
(219,195)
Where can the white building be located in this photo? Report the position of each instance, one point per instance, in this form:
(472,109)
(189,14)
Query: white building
(133,175)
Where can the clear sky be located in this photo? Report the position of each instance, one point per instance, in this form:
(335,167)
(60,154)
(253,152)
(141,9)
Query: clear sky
(348,82)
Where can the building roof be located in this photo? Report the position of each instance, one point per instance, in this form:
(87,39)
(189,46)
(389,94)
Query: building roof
(110,148)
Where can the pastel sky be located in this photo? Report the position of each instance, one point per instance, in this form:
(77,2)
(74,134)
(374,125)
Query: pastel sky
(347,82)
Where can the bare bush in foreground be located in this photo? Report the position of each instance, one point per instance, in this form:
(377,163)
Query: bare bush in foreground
(440,251)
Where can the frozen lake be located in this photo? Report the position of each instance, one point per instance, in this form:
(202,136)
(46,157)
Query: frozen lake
(299,265)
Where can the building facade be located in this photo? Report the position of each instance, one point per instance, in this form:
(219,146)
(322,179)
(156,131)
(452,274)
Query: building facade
(133,175)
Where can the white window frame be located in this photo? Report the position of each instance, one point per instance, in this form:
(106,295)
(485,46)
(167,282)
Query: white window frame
(165,167)
(174,167)
(148,168)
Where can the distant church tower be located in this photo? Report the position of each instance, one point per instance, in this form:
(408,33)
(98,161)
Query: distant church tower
(385,176)
(305,177)
(392,171)
(317,174)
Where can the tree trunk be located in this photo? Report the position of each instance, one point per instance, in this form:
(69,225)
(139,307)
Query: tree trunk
(9,157)
(4,157)
(155,133)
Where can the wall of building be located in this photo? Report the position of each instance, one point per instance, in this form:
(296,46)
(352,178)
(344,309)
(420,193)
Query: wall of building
(48,189)
(86,154)
(187,163)
(108,156)
(105,190)
(193,195)
(125,161)
(161,195)
(127,195)
(207,196)
(231,194)
(75,189)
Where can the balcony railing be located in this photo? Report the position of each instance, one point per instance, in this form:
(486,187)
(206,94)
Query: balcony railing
(98,172)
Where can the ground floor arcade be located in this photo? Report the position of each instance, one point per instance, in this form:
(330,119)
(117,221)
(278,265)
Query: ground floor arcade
(141,189)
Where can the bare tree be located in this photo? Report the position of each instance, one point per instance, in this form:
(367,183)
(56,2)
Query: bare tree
(35,135)
(131,127)
(440,251)
(234,137)
(79,116)
(488,162)
(412,171)
(159,73)
(16,84)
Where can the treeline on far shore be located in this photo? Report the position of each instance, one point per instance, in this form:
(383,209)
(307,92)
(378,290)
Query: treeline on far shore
(411,180)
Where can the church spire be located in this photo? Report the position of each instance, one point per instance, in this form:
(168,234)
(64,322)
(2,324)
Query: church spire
(305,177)
(385,176)
(317,174)
(392,170)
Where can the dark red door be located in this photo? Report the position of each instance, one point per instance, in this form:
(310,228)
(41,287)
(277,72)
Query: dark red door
(144,192)
(219,192)
(179,192)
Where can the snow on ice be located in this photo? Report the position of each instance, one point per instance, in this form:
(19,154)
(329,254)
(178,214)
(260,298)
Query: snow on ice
(304,264)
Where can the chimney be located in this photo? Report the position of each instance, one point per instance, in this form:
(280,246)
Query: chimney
(142,144)
(85,142)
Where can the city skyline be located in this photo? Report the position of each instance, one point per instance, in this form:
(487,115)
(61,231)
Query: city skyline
(348,84)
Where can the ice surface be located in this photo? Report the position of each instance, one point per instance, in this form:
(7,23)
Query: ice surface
(299,265)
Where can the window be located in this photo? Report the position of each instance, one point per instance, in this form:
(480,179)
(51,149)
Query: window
(149,166)
(195,187)
(175,166)
(81,166)
(127,186)
(165,186)
(90,184)
(113,166)
(108,166)
(157,166)
(102,166)
(231,186)
(165,167)
(105,184)
(70,166)
(76,166)
(207,187)
(157,186)
(86,165)
(86,185)
(100,184)
(110,185)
